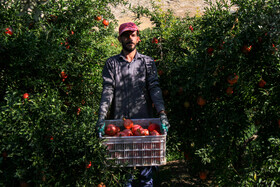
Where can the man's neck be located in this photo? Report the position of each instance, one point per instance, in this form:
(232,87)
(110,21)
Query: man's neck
(129,56)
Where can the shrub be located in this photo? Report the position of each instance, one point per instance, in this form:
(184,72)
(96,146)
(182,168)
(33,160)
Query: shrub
(51,54)
(221,116)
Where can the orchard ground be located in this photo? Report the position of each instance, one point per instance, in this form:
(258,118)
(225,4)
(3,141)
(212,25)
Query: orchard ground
(175,173)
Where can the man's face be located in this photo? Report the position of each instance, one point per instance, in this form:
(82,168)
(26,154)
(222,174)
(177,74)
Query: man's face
(129,40)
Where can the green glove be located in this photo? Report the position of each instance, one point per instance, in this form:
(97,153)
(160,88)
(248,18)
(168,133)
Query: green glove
(163,129)
(164,123)
(100,127)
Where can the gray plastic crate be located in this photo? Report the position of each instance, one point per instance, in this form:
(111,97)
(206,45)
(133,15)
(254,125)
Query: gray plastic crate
(133,151)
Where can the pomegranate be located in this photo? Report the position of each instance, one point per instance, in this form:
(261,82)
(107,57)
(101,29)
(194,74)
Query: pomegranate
(9,31)
(121,134)
(127,132)
(127,123)
(145,132)
(200,101)
(229,90)
(153,126)
(262,83)
(202,175)
(135,127)
(139,132)
(232,79)
(25,96)
(118,129)
(105,22)
(154,133)
(111,130)
(155,40)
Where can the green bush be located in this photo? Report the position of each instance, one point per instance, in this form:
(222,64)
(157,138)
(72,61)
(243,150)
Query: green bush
(221,57)
(51,56)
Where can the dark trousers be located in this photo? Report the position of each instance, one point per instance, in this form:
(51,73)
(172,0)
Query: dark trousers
(144,179)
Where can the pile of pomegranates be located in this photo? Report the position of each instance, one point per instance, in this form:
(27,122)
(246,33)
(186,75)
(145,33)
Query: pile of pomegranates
(131,129)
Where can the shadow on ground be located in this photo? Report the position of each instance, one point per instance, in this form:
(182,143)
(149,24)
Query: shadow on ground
(175,173)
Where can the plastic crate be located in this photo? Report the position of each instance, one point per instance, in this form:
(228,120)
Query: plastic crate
(131,151)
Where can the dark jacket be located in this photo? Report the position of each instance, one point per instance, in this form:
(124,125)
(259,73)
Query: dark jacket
(130,88)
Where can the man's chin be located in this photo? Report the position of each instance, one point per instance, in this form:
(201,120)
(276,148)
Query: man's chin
(129,49)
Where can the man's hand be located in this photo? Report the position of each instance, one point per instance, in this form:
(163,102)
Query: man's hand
(100,127)
(164,123)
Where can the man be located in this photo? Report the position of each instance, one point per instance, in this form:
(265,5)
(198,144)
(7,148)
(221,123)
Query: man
(130,87)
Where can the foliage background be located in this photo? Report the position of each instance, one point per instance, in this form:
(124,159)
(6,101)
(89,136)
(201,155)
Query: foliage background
(48,138)
(233,137)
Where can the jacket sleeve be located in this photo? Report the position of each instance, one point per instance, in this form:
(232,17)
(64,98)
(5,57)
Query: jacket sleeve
(108,89)
(153,85)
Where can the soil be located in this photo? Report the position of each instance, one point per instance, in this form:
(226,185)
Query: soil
(190,7)
(181,8)
(175,173)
